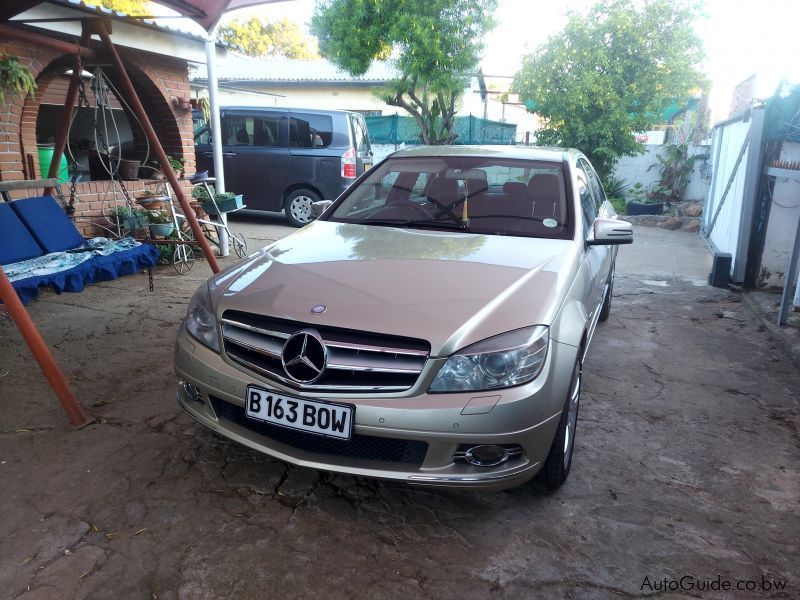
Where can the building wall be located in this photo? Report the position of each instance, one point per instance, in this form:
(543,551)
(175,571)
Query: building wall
(784,213)
(644,169)
(157,79)
(330,98)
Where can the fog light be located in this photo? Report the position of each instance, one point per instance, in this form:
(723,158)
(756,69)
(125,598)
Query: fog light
(192,393)
(486,455)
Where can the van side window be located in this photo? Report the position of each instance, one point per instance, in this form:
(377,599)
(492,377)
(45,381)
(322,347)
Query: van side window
(251,131)
(310,131)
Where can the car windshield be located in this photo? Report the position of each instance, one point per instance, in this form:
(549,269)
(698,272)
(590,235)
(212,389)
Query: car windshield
(487,195)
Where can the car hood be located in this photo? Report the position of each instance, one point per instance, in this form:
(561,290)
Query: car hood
(449,288)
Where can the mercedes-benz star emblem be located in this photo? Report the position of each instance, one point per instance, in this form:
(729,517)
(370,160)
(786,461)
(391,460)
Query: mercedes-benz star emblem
(318,309)
(304,356)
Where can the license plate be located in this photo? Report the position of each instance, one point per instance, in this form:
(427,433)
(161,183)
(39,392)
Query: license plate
(313,416)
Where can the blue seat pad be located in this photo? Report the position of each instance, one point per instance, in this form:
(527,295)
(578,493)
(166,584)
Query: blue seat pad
(96,269)
(16,242)
(48,223)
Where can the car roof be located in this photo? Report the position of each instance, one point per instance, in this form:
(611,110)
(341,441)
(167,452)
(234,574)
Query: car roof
(514,152)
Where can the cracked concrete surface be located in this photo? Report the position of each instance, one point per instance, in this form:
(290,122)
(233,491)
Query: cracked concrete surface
(686,464)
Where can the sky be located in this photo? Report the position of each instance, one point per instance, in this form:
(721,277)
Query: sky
(741,37)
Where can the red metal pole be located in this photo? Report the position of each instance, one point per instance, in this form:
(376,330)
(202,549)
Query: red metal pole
(136,104)
(69,108)
(28,37)
(77,416)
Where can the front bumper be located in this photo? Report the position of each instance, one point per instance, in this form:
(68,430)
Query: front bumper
(526,416)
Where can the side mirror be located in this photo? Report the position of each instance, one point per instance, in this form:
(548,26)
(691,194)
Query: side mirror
(317,208)
(608,232)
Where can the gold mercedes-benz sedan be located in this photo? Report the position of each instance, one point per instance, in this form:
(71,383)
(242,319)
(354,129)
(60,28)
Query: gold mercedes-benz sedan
(429,327)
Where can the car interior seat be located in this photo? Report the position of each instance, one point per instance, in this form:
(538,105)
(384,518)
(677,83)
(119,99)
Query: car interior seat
(445,197)
(242,137)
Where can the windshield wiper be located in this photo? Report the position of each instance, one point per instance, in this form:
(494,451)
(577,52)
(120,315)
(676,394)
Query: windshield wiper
(414,223)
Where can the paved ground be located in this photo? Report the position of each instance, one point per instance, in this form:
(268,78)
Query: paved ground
(686,464)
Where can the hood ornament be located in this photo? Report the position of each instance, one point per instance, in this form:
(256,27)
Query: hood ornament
(304,356)
(318,309)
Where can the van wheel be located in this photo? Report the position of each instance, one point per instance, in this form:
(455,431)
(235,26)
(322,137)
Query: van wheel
(559,461)
(298,207)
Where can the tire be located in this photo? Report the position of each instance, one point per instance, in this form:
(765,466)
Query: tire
(559,460)
(605,310)
(298,207)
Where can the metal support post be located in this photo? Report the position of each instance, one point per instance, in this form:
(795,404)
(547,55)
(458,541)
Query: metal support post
(216,136)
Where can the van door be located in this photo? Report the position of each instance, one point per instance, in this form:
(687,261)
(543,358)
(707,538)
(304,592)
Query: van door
(255,156)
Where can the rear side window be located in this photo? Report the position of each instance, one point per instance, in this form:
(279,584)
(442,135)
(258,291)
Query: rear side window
(360,134)
(251,131)
(310,131)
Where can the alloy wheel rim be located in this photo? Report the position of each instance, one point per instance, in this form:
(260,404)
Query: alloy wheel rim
(301,208)
(572,419)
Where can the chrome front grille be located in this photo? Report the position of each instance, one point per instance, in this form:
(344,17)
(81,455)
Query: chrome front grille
(357,361)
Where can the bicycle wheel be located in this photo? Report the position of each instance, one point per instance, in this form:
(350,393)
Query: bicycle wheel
(183,259)
(239,245)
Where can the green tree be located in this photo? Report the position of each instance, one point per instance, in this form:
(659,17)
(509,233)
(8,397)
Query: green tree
(134,8)
(434,44)
(255,37)
(611,73)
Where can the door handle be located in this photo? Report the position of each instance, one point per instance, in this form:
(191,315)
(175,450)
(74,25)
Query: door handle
(229,154)
(208,154)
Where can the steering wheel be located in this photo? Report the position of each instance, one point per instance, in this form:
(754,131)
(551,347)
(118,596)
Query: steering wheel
(406,209)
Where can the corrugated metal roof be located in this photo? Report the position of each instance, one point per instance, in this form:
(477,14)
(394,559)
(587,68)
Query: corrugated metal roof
(182,28)
(236,67)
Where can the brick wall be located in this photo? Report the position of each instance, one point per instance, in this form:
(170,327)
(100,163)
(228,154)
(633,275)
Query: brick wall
(157,79)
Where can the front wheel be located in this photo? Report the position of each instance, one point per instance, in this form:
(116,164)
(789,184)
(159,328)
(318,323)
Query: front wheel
(298,207)
(559,460)
(605,310)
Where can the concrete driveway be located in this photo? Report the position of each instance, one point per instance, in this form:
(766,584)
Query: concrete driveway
(686,465)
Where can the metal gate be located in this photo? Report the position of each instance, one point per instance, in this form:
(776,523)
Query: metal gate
(730,205)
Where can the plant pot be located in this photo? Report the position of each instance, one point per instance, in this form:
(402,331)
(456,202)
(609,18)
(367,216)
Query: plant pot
(161,229)
(224,205)
(151,202)
(634,208)
(135,221)
(129,169)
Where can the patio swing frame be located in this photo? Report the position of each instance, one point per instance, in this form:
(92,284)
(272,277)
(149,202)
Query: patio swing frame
(100,27)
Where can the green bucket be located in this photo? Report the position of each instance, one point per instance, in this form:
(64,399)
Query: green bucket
(45,158)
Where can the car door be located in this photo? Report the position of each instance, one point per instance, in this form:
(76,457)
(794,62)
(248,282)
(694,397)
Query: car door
(255,156)
(597,258)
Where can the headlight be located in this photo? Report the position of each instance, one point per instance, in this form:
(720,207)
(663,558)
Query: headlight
(200,321)
(505,360)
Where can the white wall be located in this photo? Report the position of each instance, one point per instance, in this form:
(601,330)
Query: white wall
(342,98)
(784,212)
(640,169)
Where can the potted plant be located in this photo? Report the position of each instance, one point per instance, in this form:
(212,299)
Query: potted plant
(160,223)
(226,201)
(15,78)
(641,203)
(177,164)
(150,200)
(127,219)
(676,169)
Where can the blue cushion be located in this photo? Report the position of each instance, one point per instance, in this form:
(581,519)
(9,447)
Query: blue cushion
(48,223)
(16,242)
(96,269)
